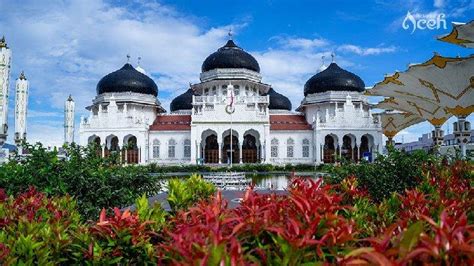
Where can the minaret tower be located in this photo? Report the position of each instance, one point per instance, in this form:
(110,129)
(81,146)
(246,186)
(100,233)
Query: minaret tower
(21,106)
(5,63)
(69,107)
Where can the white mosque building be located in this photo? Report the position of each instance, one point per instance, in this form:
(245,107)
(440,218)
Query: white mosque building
(333,119)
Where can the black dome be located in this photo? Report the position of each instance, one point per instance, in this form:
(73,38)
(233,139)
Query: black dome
(278,101)
(183,101)
(334,78)
(127,79)
(230,56)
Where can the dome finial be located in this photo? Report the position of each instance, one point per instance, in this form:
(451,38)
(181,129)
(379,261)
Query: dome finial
(69,99)
(128,58)
(3,43)
(22,75)
(138,60)
(333,57)
(230,33)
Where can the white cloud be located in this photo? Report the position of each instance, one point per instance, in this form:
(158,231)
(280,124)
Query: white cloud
(350,48)
(65,47)
(438,3)
(301,43)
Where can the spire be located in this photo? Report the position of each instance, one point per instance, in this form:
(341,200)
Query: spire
(69,99)
(22,75)
(3,43)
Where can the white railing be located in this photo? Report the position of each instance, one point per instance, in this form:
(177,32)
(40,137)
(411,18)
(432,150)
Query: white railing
(215,99)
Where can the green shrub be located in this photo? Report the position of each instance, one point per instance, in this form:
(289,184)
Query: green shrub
(184,193)
(395,172)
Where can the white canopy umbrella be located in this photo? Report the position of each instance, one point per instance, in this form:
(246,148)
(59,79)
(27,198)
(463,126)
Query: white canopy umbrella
(394,122)
(461,34)
(441,81)
(447,82)
(428,110)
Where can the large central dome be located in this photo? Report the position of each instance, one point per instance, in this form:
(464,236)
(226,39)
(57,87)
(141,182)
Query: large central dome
(334,78)
(127,79)
(230,56)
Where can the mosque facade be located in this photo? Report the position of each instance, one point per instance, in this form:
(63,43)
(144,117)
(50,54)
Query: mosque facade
(231,116)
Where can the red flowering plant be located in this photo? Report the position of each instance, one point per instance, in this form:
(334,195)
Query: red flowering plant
(35,229)
(202,235)
(120,238)
(447,242)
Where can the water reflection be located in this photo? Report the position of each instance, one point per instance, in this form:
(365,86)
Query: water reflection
(279,181)
(261,181)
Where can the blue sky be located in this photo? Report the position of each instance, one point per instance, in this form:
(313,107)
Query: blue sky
(65,47)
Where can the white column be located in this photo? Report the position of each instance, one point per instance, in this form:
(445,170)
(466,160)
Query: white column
(240,153)
(21,106)
(194,145)
(352,148)
(5,64)
(221,146)
(69,107)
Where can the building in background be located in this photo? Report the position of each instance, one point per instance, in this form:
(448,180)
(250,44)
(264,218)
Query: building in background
(21,107)
(5,65)
(69,109)
(450,145)
(232,116)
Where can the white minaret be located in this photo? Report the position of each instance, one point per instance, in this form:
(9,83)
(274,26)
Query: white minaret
(69,120)
(21,106)
(5,63)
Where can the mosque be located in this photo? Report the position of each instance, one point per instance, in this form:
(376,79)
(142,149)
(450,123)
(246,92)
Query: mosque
(257,126)
(231,116)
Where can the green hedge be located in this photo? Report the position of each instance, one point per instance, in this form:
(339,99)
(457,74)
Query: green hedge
(261,167)
(395,172)
(95,182)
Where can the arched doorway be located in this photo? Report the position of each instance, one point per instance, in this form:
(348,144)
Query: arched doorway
(231,155)
(249,149)
(111,145)
(348,147)
(132,153)
(365,146)
(211,149)
(94,141)
(329,149)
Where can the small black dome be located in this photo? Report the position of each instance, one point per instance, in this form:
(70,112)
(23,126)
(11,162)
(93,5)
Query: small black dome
(183,101)
(278,101)
(334,78)
(230,56)
(127,79)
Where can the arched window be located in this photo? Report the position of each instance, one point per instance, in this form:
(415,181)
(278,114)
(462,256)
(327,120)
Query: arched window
(156,148)
(187,148)
(236,90)
(274,148)
(305,148)
(290,148)
(171,148)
